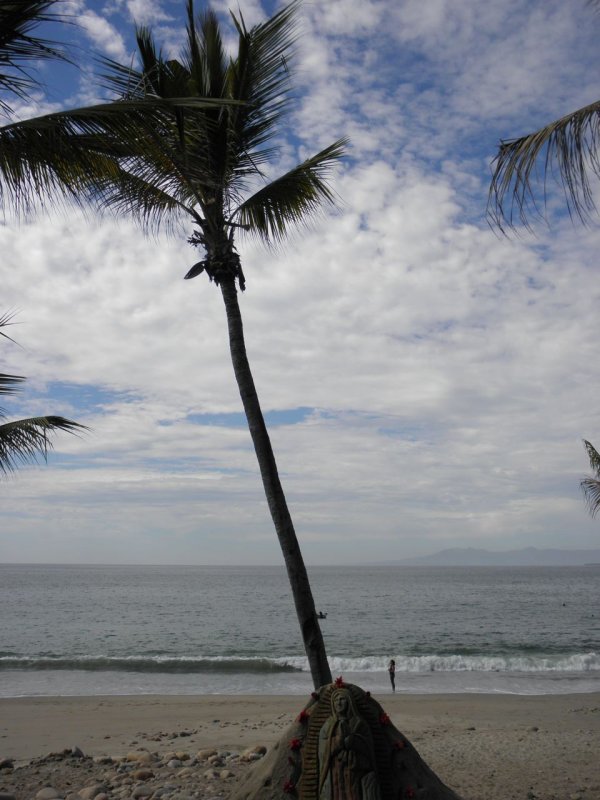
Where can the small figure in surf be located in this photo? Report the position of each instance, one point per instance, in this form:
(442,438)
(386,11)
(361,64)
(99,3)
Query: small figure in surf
(392,671)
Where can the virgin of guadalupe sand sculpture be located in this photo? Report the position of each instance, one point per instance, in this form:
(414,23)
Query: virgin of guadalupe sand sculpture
(342,746)
(347,764)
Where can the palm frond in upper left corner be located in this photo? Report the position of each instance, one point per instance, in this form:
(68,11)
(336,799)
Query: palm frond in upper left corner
(20,46)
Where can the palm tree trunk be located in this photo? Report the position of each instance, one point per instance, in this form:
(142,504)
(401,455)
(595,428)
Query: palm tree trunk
(301,591)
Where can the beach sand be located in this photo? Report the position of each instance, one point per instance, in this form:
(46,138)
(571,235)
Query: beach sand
(486,747)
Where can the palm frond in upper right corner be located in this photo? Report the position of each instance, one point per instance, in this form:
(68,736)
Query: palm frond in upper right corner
(568,149)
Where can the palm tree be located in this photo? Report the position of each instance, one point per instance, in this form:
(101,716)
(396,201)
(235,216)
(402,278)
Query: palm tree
(23,440)
(202,165)
(591,485)
(568,148)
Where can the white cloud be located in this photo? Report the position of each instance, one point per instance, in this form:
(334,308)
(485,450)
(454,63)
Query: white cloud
(103,35)
(450,372)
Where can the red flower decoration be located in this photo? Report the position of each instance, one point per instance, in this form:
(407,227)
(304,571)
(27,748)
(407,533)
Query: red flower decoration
(289,787)
(302,716)
(295,744)
(384,719)
(339,681)
(410,792)
(399,744)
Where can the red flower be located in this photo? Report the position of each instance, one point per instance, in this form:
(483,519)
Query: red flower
(289,787)
(302,716)
(295,744)
(399,744)
(384,719)
(339,681)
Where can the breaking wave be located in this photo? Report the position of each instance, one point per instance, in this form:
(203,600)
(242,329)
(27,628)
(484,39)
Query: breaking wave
(516,663)
(165,664)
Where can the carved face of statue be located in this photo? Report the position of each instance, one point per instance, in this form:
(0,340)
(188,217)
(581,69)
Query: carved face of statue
(341,704)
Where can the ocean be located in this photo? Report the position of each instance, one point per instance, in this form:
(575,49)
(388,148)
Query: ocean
(115,630)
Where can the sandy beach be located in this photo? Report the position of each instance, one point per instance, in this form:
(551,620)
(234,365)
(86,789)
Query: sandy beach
(486,747)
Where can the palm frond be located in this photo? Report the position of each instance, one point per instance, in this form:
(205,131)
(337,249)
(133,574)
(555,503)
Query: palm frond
(22,441)
(591,491)
(293,198)
(568,149)
(591,485)
(18,45)
(260,77)
(9,384)
(74,152)
(149,198)
(5,320)
(593,456)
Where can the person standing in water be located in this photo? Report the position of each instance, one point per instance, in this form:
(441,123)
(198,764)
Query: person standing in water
(392,671)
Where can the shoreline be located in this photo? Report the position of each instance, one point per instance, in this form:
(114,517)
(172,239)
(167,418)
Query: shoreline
(486,746)
(104,725)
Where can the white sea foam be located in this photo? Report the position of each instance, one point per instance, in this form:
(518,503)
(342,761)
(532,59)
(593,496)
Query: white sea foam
(579,662)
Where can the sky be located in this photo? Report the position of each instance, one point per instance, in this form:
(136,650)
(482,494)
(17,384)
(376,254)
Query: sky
(427,381)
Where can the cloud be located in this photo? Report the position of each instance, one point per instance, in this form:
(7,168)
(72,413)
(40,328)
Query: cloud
(103,35)
(449,373)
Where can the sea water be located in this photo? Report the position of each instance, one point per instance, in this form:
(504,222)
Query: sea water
(83,630)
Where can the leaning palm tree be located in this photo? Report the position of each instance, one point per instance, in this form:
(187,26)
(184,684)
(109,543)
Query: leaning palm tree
(591,485)
(567,149)
(206,166)
(24,440)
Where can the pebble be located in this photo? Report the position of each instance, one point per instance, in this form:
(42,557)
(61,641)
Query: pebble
(206,754)
(47,793)
(143,756)
(140,775)
(90,792)
(142,791)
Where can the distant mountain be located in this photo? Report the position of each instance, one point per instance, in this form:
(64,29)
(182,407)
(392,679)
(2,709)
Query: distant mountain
(528,556)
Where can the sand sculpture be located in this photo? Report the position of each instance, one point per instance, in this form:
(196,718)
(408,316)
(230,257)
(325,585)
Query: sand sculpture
(343,746)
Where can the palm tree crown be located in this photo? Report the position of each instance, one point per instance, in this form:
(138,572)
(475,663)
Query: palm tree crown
(205,163)
(201,162)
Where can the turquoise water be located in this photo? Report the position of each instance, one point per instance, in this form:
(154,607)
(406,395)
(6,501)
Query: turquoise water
(131,630)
